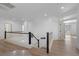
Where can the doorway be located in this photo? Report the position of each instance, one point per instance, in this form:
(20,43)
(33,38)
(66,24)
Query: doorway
(70,32)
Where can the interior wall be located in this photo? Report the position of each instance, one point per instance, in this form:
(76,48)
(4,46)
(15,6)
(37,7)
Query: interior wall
(77,40)
(43,25)
(40,26)
(16,26)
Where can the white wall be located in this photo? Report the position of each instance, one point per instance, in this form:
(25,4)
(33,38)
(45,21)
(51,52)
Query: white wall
(77,40)
(43,26)
(40,26)
(16,26)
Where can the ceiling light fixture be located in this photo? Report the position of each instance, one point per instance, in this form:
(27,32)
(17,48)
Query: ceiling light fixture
(62,7)
(70,21)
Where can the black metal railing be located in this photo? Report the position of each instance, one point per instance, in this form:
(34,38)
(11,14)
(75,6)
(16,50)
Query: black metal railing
(47,36)
(35,38)
(47,42)
(30,37)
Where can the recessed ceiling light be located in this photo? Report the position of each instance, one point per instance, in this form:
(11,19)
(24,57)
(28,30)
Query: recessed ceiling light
(62,7)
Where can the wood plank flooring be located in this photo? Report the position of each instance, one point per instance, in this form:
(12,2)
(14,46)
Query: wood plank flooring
(59,48)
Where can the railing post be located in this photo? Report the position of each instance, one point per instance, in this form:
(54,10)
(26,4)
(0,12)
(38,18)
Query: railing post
(5,35)
(38,43)
(47,42)
(29,37)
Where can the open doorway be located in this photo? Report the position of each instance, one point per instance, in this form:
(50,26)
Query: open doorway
(70,31)
(70,28)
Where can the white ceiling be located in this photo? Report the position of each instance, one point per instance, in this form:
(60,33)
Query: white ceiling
(35,10)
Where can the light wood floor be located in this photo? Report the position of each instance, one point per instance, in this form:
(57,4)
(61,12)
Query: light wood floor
(59,48)
(8,49)
(65,47)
